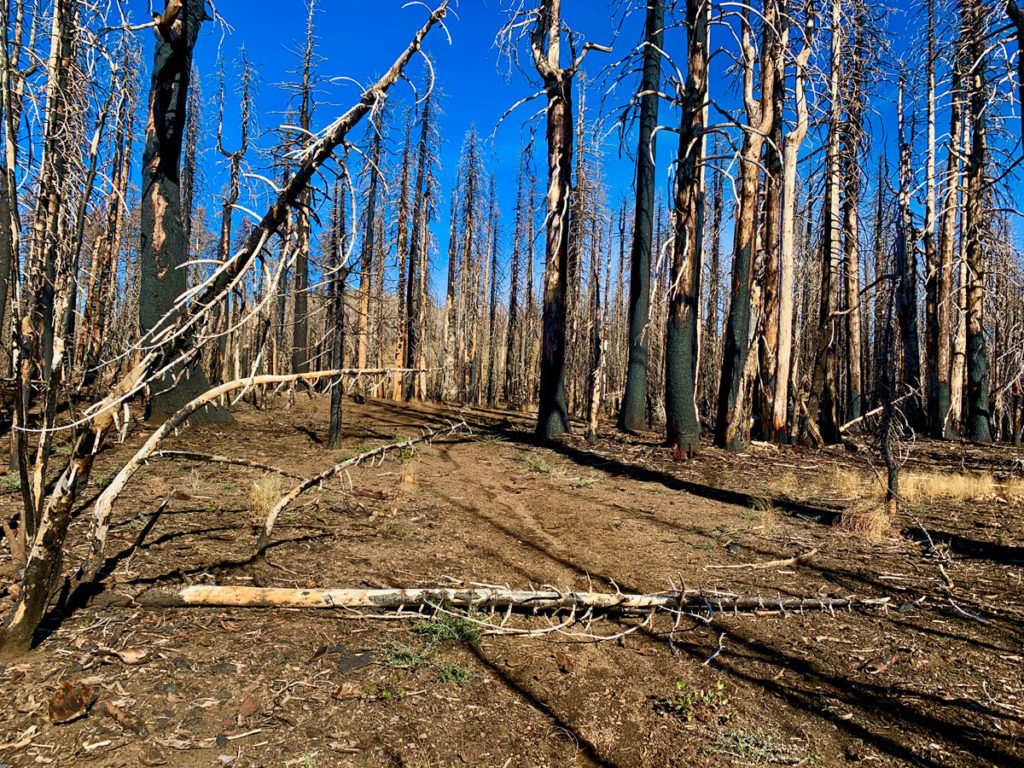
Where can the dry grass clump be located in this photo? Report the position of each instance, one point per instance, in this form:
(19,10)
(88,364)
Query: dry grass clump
(851,483)
(872,522)
(1013,488)
(263,495)
(787,485)
(919,487)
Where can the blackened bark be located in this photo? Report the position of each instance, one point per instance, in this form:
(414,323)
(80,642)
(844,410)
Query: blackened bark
(682,350)
(632,415)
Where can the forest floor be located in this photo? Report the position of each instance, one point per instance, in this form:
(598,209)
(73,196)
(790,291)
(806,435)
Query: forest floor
(918,684)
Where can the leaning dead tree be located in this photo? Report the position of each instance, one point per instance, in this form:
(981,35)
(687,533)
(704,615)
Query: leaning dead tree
(171,346)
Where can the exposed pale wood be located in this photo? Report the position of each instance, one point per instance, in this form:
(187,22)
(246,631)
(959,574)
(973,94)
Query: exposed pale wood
(479,598)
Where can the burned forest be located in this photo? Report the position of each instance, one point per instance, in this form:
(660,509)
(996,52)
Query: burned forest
(512,383)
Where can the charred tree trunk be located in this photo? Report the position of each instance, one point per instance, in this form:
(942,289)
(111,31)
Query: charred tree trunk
(553,415)
(978,416)
(732,425)
(823,402)
(682,342)
(632,415)
(164,251)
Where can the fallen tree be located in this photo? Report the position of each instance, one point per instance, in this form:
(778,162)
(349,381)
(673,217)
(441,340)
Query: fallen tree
(481,598)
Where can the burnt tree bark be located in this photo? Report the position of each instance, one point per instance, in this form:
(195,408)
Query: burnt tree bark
(682,340)
(633,413)
(164,252)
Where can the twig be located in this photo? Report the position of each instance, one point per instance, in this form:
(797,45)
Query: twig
(714,655)
(770,563)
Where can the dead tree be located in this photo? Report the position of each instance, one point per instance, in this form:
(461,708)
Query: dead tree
(235,159)
(732,425)
(682,339)
(633,413)
(300,274)
(946,251)
(416,286)
(163,251)
(368,246)
(790,154)
(338,281)
(852,138)
(905,269)
(823,401)
(543,24)
(974,35)
(513,335)
(937,404)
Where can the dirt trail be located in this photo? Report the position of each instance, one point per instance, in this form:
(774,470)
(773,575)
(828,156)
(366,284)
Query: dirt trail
(253,688)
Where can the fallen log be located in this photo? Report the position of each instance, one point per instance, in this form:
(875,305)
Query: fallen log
(478,599)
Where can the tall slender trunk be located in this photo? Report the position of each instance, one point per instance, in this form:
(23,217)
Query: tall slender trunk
(933,270)
(851,139)
(632,415)
(553,415)
(415,330)
(978,416)
(366,276)
(732,426)
(947,249)
(682,347)
(823,402)
(790,155)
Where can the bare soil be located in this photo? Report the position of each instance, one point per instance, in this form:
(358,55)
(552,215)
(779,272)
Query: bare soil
(934,680)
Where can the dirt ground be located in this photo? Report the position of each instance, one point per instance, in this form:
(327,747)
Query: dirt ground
(936,679)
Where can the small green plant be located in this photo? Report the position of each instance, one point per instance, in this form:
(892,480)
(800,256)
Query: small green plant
(386,693)
(289,518)
(453,673)
(308,761)
(403,656)
(583,482)
(395,529)
(706,705)
(406,453)
(11,482)
(492,439)
(446,627)
(103,480)
(703,545)
(537,464)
